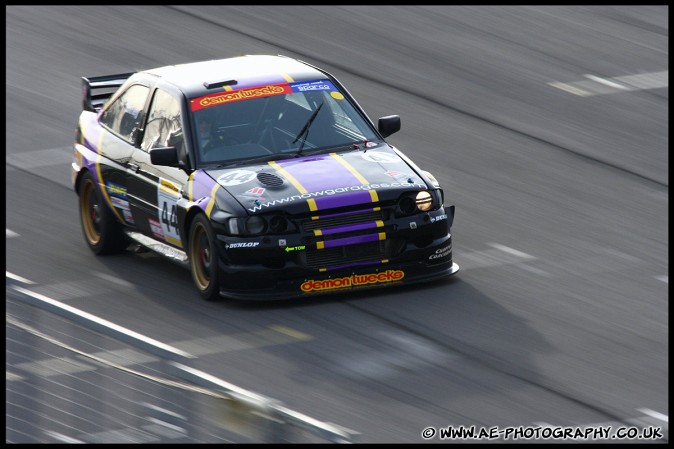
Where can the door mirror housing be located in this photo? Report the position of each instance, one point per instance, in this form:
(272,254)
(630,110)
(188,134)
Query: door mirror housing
(389,125)
(167,156)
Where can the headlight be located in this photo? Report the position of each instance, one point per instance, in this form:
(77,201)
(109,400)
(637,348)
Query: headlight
(256,225)
(424,201)
(421,201)
(278,223)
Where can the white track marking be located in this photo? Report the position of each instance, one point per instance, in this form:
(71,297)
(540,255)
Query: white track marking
(500,255)
(664,278)
(595,85)
(654,414)
(16,277)
(511,251)
(11,233)
(63,438)
(607,82)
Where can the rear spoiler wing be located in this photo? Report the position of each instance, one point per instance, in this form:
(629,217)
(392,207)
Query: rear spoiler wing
(97,89)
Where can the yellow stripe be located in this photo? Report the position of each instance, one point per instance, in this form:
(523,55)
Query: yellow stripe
(322,269)
(376,209)
(174,241)
(380,224)
(384,261)
(211,202)
(287,77)
(315,217)
(100,180)
(349,167)
(382,236)
(290,178)
(311,202)
(168,187)
(320,245)
(228,88)
(374,196)
(190,183)
(318,232)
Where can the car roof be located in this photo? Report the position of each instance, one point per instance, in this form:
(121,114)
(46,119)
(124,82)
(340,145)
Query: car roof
(247,71)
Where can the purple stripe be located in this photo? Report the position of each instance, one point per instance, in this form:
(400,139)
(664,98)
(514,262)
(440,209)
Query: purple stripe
(342,214)
(318,173)
(348,228)
(351,240)
(343,199)
(202,185)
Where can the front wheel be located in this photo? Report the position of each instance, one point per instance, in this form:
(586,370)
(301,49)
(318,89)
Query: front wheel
(102,232)
(203,254)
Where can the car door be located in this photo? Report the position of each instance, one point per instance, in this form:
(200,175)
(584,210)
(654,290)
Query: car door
(154,190)
(120,122)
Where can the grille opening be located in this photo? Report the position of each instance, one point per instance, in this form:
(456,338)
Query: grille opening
(341,220)
(270,179)
(344,255)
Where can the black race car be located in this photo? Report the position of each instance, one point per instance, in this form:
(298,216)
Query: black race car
(260,173)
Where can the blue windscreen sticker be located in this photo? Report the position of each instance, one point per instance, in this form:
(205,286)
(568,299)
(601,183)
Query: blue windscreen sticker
(307,86)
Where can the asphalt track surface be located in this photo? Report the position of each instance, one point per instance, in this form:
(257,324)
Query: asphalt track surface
(547,127)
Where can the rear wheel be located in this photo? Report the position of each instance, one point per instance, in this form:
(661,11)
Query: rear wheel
(203,255)
(102,232)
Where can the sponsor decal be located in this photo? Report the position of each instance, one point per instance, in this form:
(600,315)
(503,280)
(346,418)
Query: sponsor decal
(295,248)
(128,217)
(236,177)
(337,95)
(241,245)
(257,191)
(413,225)
(119,203)
(281,242)
(380,156)
(168,194)
(393,174)
(238,95)
(355,280)
(312,86)
(116,190)
(156,228)
(326,192)
(440,253)
(438,218)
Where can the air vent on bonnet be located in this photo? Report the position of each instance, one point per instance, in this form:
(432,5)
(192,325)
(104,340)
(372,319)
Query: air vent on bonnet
(269,179)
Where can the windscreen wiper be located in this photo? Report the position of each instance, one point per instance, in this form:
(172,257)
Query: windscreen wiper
(304,132)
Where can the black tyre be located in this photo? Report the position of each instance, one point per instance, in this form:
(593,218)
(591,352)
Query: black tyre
(203,254)
(102,232)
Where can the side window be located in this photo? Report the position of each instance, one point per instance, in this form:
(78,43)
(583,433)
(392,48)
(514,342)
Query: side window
(124,114)
(163,127)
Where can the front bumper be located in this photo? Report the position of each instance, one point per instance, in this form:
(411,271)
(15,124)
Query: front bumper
(281,268)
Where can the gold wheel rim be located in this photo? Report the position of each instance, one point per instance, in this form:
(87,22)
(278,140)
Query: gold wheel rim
(200,256)
(89,210)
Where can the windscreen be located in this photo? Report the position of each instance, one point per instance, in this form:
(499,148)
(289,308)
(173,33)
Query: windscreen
(276,120)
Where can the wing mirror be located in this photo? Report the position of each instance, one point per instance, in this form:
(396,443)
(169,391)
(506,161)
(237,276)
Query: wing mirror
(167,156)
(388,125)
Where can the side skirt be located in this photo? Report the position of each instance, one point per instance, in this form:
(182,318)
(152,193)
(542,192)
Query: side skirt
(171,253)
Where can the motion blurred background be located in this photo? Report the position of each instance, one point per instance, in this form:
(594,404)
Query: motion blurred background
(547,127)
